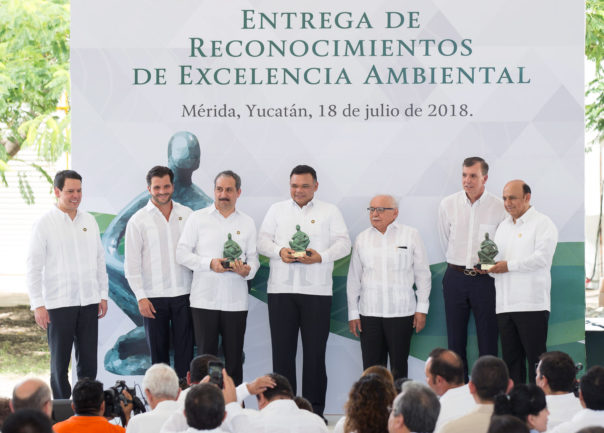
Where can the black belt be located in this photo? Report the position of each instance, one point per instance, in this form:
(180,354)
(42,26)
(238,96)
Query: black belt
(464,270)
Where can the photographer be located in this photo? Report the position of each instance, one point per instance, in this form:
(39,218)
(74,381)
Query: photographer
(89,406)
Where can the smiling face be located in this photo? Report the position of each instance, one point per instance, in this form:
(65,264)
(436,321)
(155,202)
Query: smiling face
(161,190)
(515,201)
(302,188)
(69,198)
(381,220)
(473,180)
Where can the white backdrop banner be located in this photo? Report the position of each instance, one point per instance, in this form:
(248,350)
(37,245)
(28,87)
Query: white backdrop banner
(379,97)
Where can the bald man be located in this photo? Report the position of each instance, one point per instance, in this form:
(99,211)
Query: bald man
(527,241)
(32,394)
(388,258)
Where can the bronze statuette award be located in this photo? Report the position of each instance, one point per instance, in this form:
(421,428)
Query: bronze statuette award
(232,251)
(299,243)
(486,254)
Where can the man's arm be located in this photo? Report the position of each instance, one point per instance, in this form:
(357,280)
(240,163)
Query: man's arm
(133,268)
(266,235)
(251,254)
(102,277)
(186,245)
(421,273)
(353,290)
(35,262)
(546,239)
(444,228)
(339,241)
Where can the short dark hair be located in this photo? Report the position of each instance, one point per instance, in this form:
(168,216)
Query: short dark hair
(559,369)
(303,403)
(204,406)
(229,173)
(304,169)
(522,401)
(592,388)
(159,171)
(27,421)
(282,388)
(525,188)
(36,400)
(419,407)
(198,369)
(87,396)
(469,162)
(507,424)
(490,377)
(60,177)
(452,372)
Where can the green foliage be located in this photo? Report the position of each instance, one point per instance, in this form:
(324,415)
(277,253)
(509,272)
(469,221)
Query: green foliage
(34,76)
(594,51)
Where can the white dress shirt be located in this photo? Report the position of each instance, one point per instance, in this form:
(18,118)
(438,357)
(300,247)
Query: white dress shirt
(202,240)
(383,269)
(454,403)
(150,260)
(276,417)
(66,261)
(462,225)
(528,246)
(151,422)
(214,430)
(584,418)
(561,408)
(326,229)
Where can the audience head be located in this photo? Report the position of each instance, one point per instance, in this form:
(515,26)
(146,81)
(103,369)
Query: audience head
(592,429)
(5,410)
(444,370)
(302,403)
(367,405)
(87,397)
(489,377)
(398,384)
(27,421)
(383,373)
(527,403)
(281,391)
(32,394)
(160,383)
(415,409)
(204,407)
(591,388)
(199,368)
(507,424)
(556,373)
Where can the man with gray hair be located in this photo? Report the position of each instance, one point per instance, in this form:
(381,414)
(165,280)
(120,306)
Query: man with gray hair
(32,394)
(219,294)
(387,260)
(414,410)
(160,386)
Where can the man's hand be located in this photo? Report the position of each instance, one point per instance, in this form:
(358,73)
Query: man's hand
(239,268)
(127,406)
(42,317)
(355,327)
(146,308)
(229,391)
(419,322)
(216,265)
(260,384)
(287,255)
(314,257)
(102,308)
(499,268)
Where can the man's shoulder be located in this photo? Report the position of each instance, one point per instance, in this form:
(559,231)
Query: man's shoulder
(452,198)
(92,424)
(181,208)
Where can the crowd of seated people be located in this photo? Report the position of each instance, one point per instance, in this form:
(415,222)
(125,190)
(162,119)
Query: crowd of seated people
(489,403)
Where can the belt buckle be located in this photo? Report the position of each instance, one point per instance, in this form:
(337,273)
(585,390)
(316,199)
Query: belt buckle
(470,272)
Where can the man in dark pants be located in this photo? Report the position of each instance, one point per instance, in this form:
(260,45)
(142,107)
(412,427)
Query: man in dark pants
(300,285)
(527,241)
(463,220)
(161,285)
(67,282)
(219,294)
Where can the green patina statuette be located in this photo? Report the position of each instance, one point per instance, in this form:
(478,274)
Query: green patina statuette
(486,254)
(232,251)
(299,242)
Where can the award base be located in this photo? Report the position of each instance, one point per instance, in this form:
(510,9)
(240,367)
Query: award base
(299,254)
(228,264)
(485,267)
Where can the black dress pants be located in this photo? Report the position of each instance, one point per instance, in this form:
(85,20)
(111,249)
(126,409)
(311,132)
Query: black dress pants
(523,339)
(172,316)
(310,315)
(462,294)
(209,324)
(383,336)
(72,326)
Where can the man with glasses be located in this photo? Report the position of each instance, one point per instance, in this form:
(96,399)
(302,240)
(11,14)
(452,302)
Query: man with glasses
(463,220)
(300,286)
(387,259)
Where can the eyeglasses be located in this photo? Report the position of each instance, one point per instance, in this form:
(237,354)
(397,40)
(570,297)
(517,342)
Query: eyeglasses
(378,209)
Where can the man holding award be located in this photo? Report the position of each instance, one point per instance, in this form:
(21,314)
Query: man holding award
(526,240)
(219,244)
(303,238)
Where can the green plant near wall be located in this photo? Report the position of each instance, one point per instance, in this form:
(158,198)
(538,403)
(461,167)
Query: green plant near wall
(594,51)
(34,78)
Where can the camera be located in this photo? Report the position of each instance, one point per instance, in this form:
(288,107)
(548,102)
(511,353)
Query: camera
(115,395)
(215,373)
